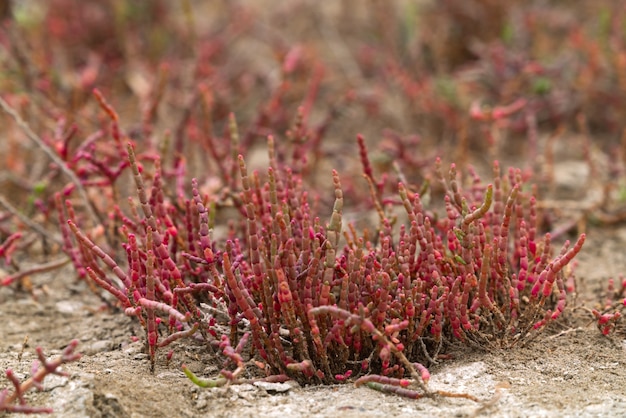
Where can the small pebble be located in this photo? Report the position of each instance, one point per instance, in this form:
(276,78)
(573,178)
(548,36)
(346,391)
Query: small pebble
(97,347)
(69,307)
(275,387)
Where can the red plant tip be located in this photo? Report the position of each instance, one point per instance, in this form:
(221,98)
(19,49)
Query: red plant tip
(535,290)
(547,289)
(132,311)
(424,373)
(476,112)
(292,59)
(105,105)
(67,190)
(501,112)
(343,377)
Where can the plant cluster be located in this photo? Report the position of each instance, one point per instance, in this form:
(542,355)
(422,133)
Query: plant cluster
(610,313)
(318,304)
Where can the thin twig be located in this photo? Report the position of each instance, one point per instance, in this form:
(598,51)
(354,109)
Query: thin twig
(53,156)
(488,404)
(40,268)
(569,331)
(27,221)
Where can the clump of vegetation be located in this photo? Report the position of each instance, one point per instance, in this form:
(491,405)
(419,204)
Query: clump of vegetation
(318,311)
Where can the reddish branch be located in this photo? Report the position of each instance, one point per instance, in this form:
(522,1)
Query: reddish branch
(41,369)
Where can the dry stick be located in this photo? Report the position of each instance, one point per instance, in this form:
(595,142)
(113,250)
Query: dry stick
(488,403)
(53,156)
(570,330)
(21,353)
(40,268)
(32,225)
